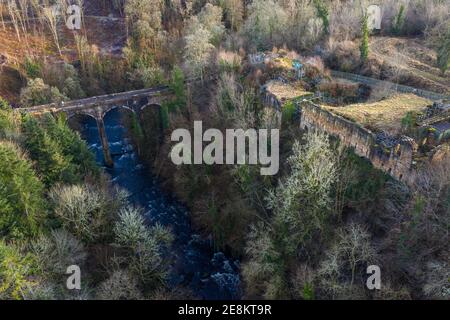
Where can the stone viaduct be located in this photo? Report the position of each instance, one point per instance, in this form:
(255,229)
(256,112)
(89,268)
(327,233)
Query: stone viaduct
(97,107)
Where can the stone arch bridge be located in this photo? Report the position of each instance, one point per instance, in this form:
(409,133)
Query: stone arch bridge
(97,107)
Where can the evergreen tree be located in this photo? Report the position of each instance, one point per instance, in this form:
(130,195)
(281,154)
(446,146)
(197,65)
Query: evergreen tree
(323,13)
(50,160)
(399,21)
(164,114)
(9,128)
(72,146)
(364,48)
(178,87)
(21,194)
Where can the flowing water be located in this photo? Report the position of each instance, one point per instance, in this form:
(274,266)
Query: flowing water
(208,274)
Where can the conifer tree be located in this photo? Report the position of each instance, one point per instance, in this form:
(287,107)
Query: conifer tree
(364,48)
(21,194)
(48,155)
(399,21)
(323,13)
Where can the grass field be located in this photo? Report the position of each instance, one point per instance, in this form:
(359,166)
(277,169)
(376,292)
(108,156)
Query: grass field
(384,115)
(413,60)
(285,92)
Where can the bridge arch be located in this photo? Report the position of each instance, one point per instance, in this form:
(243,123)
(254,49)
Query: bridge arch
(115,107)
(70,116)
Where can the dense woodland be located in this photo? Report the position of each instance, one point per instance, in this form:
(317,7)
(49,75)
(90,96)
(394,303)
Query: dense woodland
(307,233)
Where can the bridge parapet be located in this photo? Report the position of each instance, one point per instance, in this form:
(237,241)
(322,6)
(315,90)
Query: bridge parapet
(132,100)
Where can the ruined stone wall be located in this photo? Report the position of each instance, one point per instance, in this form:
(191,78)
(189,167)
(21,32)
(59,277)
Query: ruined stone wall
(396,161)
(270,100)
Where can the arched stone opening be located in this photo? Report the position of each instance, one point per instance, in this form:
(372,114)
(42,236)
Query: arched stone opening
(81,122)
(118,107)
(87,126)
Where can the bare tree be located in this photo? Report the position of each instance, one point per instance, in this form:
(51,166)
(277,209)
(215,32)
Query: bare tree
(13,11)
(2,8)
(50,13)
(198,49)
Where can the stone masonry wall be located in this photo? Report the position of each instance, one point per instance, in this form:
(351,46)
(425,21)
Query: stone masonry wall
(396,161)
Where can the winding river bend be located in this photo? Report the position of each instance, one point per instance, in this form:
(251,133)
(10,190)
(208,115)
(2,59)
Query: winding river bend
(208,274)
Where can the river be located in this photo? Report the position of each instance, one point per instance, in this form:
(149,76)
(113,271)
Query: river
(208,274)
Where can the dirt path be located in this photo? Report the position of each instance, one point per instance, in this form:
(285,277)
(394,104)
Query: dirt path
(408,55)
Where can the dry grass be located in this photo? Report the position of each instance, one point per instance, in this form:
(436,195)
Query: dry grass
(286,91)
(412,59)
(385,114)
(16,50)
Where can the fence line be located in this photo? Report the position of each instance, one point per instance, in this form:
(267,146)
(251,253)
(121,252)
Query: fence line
(395,87)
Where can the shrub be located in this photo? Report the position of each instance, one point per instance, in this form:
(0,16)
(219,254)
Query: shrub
(264,266)
(86,210)
(289,111)
(146,76)
(177,85)
(16,272)
(144,246)
(4,105)
(32,68)
(56,252)
(64,77)
(38,93)
(346,263)
(41,291)
(9,122)
(342,55)
(229,61)
(130,230)
(302,202)
(340,90)
(121,285)
(437,284)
